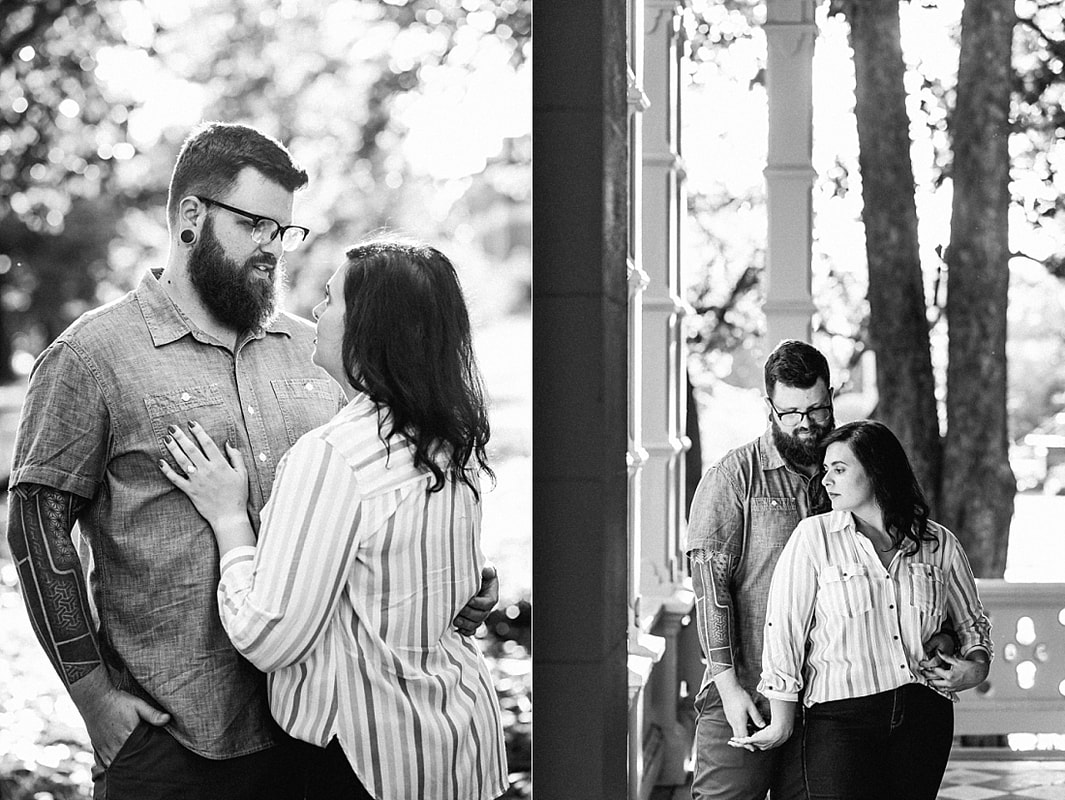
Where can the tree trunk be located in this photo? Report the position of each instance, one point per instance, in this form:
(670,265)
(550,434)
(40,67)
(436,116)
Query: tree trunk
(693,459)
(7,373)
(898,323)
(978,484)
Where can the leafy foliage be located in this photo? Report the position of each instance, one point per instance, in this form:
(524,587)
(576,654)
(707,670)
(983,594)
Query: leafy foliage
(374,99)
(52,96)
(728,49)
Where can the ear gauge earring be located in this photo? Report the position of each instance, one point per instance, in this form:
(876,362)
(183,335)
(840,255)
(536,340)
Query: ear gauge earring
(188,236)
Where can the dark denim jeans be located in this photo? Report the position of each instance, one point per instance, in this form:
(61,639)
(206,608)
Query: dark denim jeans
(885,746)
(729,773)
(152,765)
(328,773)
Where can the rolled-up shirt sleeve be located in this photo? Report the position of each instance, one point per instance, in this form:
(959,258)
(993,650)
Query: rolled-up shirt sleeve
(276,599)
(65,427)
(963,604)
(716,517)
(789,613)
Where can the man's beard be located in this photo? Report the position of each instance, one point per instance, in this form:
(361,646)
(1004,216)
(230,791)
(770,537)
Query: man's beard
(803,452)
(234,294)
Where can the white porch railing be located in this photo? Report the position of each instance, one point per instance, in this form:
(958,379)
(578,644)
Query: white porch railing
(1025,689)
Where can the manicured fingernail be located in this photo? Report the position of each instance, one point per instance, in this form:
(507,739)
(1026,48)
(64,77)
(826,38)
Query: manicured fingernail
(171,428)
(169,440)
(192,423)
(162,463)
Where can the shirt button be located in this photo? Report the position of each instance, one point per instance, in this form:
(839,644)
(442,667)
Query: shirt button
(896,638)
(891,606)
(251,410)
(262,456)
(185,397)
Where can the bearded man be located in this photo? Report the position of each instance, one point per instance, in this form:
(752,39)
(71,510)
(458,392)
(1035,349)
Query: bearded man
(743,512)
(171,708)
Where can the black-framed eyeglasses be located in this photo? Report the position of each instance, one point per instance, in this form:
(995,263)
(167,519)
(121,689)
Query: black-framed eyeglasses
(819,415)
(265,229)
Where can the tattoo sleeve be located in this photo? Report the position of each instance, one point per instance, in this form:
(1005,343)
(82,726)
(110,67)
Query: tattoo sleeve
(713,607)
(40,520)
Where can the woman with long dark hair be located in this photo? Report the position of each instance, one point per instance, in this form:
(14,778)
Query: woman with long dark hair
(370,544)
(855,593)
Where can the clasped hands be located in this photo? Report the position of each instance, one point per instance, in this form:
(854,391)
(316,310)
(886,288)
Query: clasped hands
(740,710)
(945,672)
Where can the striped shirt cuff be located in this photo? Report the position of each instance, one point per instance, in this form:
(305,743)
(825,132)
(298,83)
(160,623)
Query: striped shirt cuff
(771,694)
(966,650)
(235,556)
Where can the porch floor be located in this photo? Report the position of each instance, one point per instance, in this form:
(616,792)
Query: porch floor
(970,779)
(979,778)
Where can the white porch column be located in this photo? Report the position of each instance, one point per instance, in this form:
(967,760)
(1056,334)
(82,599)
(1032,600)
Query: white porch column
(665,602)
(662,385)
(790,30)
(644,650)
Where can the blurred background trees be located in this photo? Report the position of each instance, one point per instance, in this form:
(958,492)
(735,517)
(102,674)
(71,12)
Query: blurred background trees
(407,115)
(938,140)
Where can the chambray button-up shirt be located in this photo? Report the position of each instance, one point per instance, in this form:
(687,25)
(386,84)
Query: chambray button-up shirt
(746,507)
(99,403)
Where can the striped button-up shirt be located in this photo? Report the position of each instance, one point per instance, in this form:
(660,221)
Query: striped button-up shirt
(347,601)
(839,624)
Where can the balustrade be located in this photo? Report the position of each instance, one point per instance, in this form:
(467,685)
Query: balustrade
(1025,688)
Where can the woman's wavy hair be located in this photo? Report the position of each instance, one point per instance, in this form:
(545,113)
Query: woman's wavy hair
(895,487)
(408,346)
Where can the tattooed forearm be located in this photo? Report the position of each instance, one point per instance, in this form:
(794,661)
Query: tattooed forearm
(713,604)
(40,520)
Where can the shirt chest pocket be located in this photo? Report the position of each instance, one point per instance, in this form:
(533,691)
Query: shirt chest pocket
(305,403)
(844,590)
(772,521)
(926,587)
(202,404)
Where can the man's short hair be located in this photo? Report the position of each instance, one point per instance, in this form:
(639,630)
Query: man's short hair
(213,155)
(795,363)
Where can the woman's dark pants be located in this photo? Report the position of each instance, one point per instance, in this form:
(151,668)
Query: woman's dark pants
(885,746)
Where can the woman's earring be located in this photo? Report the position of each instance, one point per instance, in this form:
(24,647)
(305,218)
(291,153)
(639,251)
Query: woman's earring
(188,236)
